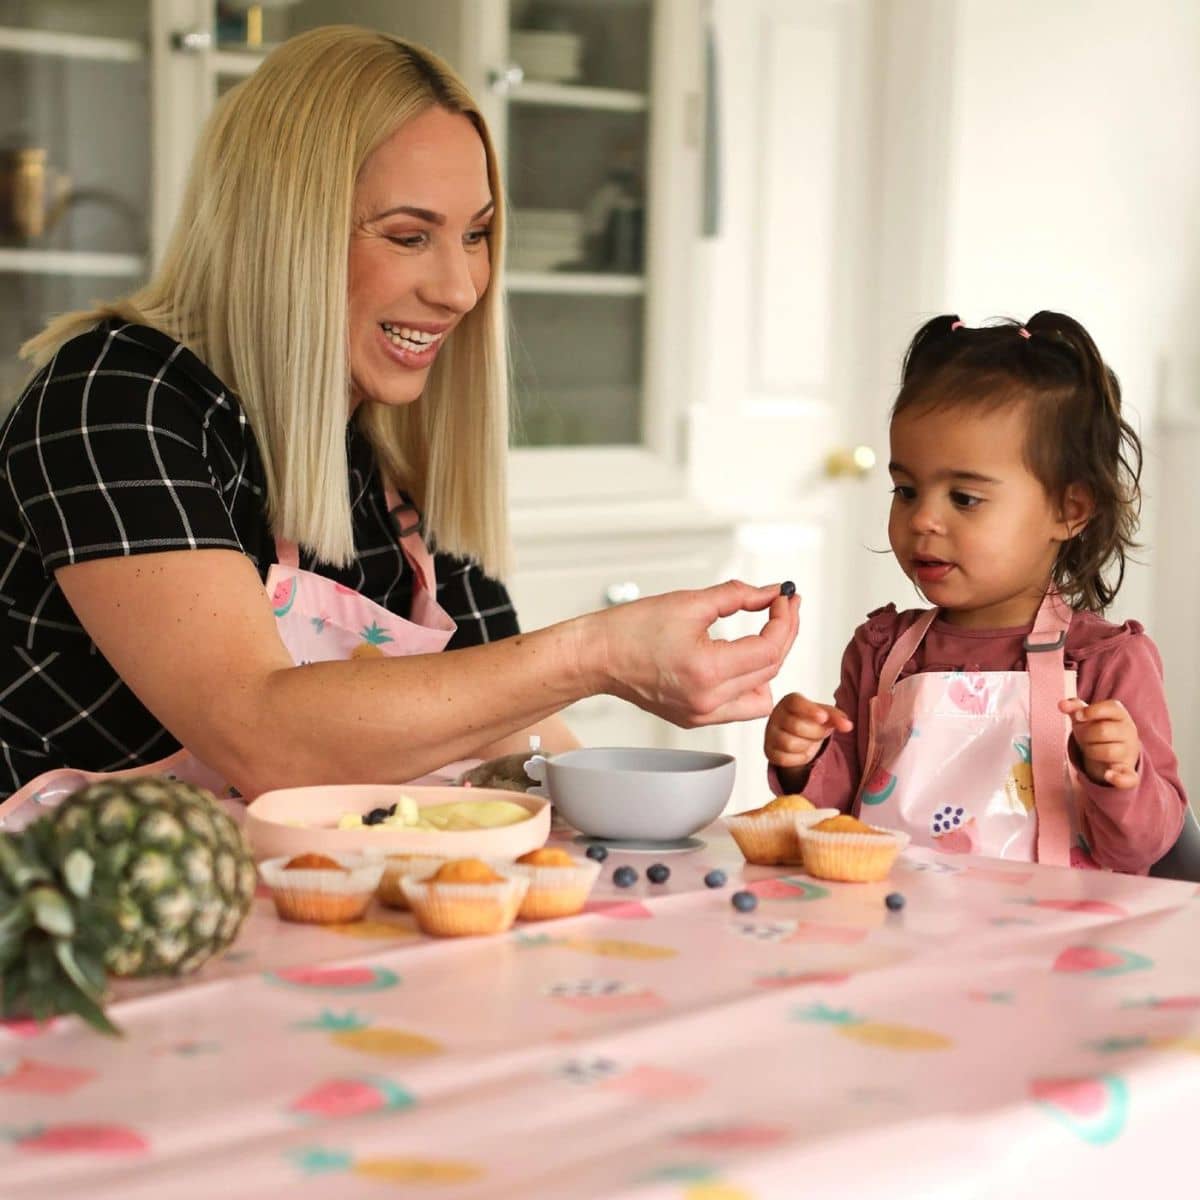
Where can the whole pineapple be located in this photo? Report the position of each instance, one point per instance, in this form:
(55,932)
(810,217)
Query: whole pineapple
(142,876)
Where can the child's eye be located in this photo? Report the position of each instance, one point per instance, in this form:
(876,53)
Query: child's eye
(963,500)
(904,491)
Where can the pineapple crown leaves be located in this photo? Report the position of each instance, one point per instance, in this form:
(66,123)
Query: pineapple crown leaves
(51,960)
(373,635)
(830,1016)
(314,1160)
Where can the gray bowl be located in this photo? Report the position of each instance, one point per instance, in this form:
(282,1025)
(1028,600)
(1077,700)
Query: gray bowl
(638,792)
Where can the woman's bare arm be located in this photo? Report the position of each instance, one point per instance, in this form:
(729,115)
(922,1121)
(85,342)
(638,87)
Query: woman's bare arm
(193,635)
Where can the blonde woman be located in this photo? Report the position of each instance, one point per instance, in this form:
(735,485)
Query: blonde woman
(309,392)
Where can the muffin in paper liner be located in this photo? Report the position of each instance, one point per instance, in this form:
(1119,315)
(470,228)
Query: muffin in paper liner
(399,866)
(322,895)
(465,909)
(555,891)
(768,839)
(850,857)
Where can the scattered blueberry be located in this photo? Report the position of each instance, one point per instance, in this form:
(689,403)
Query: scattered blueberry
(787,588)
(714,879)
(625,877)
(658,873)
(894,901)
(744,901)
(597,853)
(376,816)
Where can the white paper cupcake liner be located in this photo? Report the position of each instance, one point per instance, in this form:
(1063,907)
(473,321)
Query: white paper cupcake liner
(465,909)
(322,895)
(851,857)
(555,891)
(408,866)
(769,839)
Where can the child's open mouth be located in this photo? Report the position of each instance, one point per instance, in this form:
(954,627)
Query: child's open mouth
(930,570)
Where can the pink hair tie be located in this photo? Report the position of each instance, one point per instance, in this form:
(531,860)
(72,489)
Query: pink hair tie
(956,325)
(1024,332)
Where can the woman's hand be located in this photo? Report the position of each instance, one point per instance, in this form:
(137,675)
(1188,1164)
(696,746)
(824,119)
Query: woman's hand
(1107,739)
(798,728)
(657,653)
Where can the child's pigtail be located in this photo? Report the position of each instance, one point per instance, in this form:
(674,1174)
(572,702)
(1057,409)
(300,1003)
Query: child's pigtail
(931,346)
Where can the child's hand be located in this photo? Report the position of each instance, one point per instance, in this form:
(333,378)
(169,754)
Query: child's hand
(797,728)
(1107,739)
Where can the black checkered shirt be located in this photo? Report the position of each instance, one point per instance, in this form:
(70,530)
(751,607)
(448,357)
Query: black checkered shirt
(126,443)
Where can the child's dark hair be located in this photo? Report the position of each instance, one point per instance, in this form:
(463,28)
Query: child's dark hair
(1076,431)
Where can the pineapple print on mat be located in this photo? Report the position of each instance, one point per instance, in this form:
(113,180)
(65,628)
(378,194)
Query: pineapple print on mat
(1018,787)
(952,830)
(873,1033)
(355,1033)
(700,1181)
(372,638)
(352,1096)
(77,1139)
(968,691)
(176,880)
(315,1160)
(337,979)
(601,947)
(1093,1107)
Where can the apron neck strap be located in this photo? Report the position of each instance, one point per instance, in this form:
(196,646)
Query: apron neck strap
(903,648)
(1049,728)
(407,521)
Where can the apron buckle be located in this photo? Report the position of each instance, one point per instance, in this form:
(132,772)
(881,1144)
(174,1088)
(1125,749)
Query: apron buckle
(1040,647)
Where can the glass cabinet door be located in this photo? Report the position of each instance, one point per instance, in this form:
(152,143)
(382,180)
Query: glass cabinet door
(576,92)
(74,162)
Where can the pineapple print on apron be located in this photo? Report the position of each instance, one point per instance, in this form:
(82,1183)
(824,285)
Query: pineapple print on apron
(976,762)
(318,621)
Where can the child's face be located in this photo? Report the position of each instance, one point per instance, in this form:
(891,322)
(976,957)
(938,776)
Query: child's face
(970,525)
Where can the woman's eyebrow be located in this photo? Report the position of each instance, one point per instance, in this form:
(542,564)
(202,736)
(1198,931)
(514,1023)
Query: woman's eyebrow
(427,214)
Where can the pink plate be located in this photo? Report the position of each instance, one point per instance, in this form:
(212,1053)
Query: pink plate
(300,820)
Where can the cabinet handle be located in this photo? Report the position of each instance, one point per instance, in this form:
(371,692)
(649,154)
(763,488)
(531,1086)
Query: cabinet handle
(621,593)
(191,41)
(503,80)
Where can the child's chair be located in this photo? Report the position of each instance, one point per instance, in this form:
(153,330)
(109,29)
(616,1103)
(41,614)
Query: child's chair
(1182,861)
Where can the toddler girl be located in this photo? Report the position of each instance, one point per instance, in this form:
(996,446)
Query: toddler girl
(1010,719)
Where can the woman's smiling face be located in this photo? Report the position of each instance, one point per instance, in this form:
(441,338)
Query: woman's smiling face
(419,252)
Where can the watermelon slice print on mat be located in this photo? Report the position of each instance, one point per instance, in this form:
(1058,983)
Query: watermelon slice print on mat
(733,1137)
(1100,960)
(879,787)
(352,1097)
(1092,1107)
(78,1139)
(1100,908)
(339,979)
(284,595)
(787,887)
(46,1078)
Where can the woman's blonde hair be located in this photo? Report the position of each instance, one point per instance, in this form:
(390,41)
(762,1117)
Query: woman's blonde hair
(254,281)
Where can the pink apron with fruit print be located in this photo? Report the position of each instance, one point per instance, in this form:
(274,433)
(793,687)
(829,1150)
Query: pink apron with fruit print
(318,621)
(976,762)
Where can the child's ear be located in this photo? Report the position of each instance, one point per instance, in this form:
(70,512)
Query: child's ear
(1077,509)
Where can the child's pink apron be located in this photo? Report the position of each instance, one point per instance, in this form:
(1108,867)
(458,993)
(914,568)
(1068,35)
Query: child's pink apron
(956,759)
(318,621)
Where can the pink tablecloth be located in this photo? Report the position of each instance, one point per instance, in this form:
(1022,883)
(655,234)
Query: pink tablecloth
(1014,1031)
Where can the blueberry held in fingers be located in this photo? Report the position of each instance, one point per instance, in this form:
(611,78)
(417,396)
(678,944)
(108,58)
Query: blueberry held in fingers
(787,588)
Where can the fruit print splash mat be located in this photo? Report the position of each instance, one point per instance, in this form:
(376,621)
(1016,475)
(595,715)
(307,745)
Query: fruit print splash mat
(1012,1022)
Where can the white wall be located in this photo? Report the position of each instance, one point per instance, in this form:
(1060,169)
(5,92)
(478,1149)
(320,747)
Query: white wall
(1048,156)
